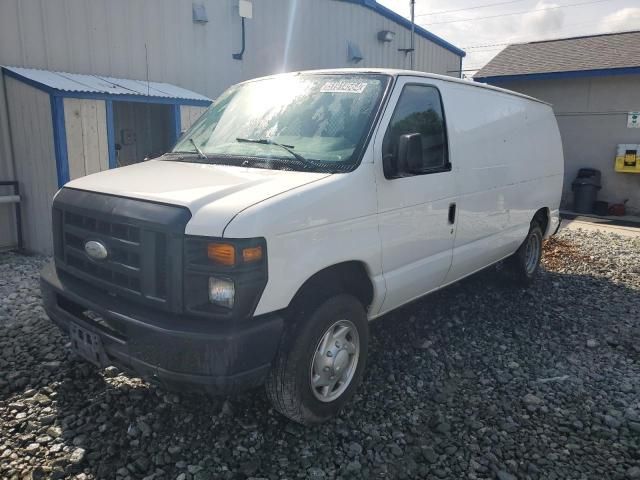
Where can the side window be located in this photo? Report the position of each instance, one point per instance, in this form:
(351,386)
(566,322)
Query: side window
(416,140)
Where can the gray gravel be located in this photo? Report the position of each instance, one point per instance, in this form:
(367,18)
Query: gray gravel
(481,380)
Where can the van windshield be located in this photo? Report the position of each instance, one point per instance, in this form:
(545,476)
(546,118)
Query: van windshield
(309,122)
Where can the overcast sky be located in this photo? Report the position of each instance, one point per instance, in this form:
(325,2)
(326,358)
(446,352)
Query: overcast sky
(547,22)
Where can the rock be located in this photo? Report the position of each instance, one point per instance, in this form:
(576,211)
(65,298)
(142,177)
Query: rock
(633,473)
(611,421)
(591,343)
(430,455)
(353,467)
(502,475)
(173,449)
(315,473)
(396,450)
(531,399)
(77,455)
(227,409)
(111,372)
(355,449)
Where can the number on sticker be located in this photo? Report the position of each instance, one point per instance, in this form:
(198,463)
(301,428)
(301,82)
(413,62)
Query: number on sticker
(343,87)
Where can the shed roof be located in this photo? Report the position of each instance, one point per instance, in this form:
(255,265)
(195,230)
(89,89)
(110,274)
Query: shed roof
(71,84)
(611,53)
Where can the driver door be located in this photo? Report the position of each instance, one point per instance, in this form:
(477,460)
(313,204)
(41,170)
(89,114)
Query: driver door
(416,199)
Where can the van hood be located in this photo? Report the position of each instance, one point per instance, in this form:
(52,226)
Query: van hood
(220,191)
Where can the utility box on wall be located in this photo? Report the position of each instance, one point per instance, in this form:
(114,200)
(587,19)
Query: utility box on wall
(628,158)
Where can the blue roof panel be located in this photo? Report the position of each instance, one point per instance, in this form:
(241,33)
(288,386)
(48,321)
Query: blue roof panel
(102,85)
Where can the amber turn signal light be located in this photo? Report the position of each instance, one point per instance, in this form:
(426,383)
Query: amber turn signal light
(222,253)
(252,254)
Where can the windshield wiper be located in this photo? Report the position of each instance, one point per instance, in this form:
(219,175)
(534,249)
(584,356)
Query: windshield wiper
(200,152)
(266,141)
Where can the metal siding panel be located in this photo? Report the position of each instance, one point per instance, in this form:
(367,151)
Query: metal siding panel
(31,126)
(10,38)
(7,216)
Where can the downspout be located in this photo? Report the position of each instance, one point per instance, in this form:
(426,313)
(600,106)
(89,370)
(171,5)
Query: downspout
(238,56)
(413,31)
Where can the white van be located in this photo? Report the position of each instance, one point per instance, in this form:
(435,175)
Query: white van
(297,208)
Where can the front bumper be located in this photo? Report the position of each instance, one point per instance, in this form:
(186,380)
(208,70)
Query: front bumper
(176,351)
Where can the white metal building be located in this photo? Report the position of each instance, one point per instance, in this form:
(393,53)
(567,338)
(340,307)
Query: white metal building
(201,46)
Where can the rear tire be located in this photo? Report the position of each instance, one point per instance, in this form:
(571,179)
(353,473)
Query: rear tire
(320,362)
(524,264)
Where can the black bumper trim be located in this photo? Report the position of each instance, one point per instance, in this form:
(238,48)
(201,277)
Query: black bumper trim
(176,351)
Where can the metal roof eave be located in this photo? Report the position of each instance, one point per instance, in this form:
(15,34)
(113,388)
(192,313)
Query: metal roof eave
(604,72)
(399,19)
(56,92)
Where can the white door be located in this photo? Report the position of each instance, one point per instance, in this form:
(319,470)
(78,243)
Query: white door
(416,197)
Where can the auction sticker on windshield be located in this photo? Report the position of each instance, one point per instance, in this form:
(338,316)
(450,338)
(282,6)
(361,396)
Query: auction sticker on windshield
(343,86)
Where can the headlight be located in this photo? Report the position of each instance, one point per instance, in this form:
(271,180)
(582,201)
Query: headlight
(223,277)
(221,291)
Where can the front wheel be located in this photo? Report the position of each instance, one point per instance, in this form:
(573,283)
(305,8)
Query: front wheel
(321,363)
(525,262)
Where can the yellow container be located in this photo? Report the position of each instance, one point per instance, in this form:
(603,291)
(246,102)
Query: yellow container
(628,158)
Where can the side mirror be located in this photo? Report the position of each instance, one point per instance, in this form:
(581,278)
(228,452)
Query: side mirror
(410,153)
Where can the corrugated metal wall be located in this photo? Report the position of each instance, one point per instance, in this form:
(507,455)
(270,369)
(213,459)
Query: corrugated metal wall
(125,38)
(32,134)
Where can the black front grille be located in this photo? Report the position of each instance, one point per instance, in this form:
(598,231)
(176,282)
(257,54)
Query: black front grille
(122,267)
(141,239)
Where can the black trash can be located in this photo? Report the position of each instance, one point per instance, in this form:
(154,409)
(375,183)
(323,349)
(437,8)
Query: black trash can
(585,190)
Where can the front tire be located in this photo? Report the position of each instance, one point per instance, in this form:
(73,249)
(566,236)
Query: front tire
(524,264)
(321,361)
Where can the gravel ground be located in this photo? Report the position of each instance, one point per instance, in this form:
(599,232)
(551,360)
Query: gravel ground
(481,380)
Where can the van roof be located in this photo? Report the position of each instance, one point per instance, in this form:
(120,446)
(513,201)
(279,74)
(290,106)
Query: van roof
(412,73)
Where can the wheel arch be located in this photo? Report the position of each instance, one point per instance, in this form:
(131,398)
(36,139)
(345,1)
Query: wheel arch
(542,217)
(350,277)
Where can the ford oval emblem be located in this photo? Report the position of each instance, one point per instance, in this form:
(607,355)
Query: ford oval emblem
(95,250)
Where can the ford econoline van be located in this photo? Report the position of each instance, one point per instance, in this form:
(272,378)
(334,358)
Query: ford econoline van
(296,209)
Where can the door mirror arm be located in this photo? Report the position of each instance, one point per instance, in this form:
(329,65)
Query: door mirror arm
(389,166)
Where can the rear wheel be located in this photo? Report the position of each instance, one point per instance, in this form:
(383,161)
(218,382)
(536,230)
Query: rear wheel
(525,262)
(321,363)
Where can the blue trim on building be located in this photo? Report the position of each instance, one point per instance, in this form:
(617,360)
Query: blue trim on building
(59,139)
(28,81)
(399,19)
(111,136)
(106,96)
(606,72)
(177,124)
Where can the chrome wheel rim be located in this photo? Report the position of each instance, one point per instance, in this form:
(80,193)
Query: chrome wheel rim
(335,361)
(532,253)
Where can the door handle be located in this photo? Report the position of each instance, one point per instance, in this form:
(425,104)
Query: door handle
(452,213)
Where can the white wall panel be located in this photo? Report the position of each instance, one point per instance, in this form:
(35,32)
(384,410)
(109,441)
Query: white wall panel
(32,134)
(188,115)
(86,131)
